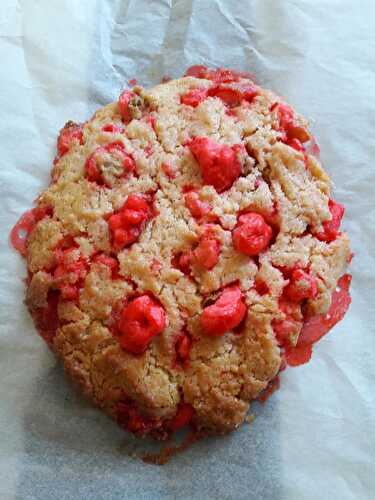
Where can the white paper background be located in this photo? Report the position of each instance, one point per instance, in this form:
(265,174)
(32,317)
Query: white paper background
(59,60)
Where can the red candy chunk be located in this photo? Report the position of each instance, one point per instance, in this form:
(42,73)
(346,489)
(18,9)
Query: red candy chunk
(302,286)
(225,314)
(261,287)
(182,347)
(331,227)
(92,171)
(123,105)
(198,208)
(69,135)
(229,96)
(169,171)
(289,125)
(222,75)
(295,144)
(298,355)
(182,261)
(46,319)
(131,419)
(22,229)
(207,253)
(155,266)
(113,153)
(287,329)
(148,150)
(185,413)
(194,97)
(127,224)
(141,320)
(248,92)
(135,210)
(218,162)
(197,71)
(285,115)
(316,327)
(69,273)
(137,423)
(252,234)
(233,96)
(108,261)
(112,128)
(312,147)
(219,75)
(290,309)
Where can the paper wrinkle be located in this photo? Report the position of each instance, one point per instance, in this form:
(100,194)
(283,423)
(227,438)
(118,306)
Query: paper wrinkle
(343,376)
(62,60)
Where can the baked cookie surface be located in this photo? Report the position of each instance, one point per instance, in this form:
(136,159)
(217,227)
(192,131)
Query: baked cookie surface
(186,250)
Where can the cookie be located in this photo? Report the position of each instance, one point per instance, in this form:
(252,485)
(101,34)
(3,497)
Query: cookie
(186,251)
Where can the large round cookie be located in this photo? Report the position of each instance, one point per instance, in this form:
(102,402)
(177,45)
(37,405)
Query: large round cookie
(186,250)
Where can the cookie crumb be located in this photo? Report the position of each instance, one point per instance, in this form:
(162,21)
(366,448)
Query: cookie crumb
(249,419)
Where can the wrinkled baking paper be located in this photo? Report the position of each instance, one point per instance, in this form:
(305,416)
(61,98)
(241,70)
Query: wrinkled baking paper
(60,60)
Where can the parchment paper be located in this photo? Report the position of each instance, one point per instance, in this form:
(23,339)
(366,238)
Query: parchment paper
(60,60)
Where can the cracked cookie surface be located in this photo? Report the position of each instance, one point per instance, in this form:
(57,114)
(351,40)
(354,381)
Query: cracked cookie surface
(186,250)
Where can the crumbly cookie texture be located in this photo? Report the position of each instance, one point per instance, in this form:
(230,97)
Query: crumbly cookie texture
(186,250)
